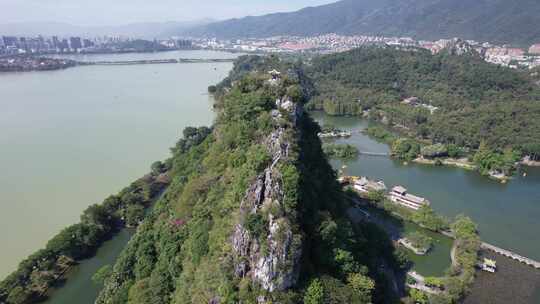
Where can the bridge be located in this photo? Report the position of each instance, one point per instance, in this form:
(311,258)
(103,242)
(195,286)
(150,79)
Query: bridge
(503,252)
(373,153)
(157,61)
(510,254)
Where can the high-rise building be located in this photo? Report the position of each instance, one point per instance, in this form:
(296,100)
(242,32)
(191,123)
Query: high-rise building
(87,43)
(75,43)
(184,44)
(10,41)
(64,45)
(55,42)
(23,44)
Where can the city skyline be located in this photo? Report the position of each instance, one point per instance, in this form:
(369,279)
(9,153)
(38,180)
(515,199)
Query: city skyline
(122,12)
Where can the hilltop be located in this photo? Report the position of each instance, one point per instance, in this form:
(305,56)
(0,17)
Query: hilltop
(254,213)
(497,21)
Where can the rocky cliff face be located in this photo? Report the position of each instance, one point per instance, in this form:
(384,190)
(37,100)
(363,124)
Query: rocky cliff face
(270,259)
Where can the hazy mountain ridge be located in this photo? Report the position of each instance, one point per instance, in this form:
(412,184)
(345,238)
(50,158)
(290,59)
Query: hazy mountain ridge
(138,30)
(496,21)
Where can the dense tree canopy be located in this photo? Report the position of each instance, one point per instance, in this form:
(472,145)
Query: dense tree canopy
(476,100)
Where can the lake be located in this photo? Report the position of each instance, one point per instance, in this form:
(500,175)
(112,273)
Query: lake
(507,215)
(72,137)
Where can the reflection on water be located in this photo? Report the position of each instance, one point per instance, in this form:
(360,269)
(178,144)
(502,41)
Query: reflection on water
(507,215)
(79,288)
(435,262)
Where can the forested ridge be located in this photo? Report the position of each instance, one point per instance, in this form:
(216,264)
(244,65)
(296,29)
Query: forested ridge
(496,21)
(478,105)
(254,214)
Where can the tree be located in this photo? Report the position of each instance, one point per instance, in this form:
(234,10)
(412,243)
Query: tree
(433,151)
(102,274)
(464,228)
(315,293)
(454,151)
(418,297)
(420,240)
(140,293)
(376,196)
(134,214)
(406,149)
(18,295)
(434,282)
(158,168)
(362,287)
(346,261)
(426,217)
(96,215)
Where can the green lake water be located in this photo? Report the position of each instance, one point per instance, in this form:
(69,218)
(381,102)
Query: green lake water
(70,138)
(435,262)
(79,288)
(508,215)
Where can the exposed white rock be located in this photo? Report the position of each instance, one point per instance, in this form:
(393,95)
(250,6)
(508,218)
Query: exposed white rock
(275,264)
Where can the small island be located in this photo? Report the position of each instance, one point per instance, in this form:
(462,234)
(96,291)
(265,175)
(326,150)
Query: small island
(417,242)
(340,151)
(27,63)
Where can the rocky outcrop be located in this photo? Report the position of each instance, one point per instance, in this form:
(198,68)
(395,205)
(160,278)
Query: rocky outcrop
(272,258)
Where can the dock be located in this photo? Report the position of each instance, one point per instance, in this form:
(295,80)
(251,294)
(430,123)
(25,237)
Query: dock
(511,255)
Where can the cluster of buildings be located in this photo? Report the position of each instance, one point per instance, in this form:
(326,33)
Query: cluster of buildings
(329,43)
(415,102)
(322,44)
(12,45)
(332,43)
(398,194)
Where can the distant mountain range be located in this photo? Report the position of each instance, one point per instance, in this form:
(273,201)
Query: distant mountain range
(147,30)
(498,21)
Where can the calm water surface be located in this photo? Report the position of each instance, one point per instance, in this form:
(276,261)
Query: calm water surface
(70,138)
(508,215)
(79,288)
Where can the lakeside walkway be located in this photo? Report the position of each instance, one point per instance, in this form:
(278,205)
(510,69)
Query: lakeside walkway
(503,252)
(421,283)
(512,255)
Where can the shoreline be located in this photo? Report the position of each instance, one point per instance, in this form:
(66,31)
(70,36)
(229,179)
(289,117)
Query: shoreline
(450,162)
(529,163)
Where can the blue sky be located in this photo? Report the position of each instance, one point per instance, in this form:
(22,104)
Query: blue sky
(114,12)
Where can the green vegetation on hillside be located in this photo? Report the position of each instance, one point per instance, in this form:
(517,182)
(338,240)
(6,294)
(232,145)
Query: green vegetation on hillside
(44,268)
(192,247)
(496,21)
(480,105)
